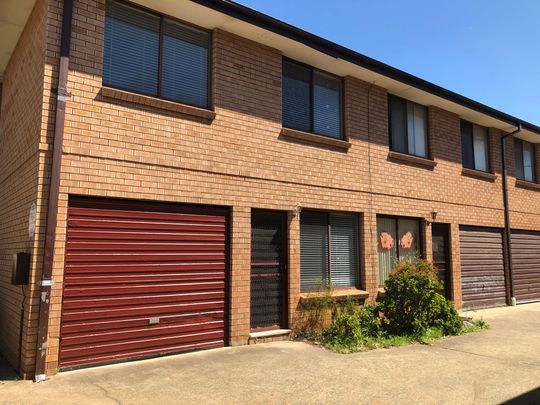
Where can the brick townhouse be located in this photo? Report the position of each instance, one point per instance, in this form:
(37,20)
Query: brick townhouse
(179,175)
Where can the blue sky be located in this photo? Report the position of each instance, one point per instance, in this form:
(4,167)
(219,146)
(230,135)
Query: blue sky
(486,50)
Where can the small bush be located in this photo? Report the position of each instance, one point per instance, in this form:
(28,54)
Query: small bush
(446,317)
(371,322)
(411,309)
(411,303)
(345,331)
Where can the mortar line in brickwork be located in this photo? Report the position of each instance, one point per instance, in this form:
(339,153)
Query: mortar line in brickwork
(288,182)
(18,167)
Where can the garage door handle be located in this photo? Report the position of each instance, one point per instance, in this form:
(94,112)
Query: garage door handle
(153,321)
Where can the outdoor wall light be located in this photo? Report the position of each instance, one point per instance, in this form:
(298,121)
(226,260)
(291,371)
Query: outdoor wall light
(297,211)
(434,214)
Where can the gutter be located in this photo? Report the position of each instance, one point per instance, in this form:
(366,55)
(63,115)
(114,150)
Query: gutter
(46,281)
(334,50)
(507,228)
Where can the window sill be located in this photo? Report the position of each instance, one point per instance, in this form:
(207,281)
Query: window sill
(339,294)
(315,139)
(478,174)
(527,184)
(110,92)
(411,159)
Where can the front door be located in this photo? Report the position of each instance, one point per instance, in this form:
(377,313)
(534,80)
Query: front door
(441,260)
(268,270)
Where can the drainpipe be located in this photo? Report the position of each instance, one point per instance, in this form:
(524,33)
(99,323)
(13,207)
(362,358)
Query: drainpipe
(46,281)
(507,228)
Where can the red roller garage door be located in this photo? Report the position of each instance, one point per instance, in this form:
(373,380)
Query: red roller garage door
(482,267)
(526,265)
(142,280)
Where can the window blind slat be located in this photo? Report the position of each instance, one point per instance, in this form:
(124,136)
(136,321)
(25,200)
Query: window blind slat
(518,154)
(412,227)
(387,257)
(313,250)
(480,145)
(398,124)
(344,250)
(326,105)
(416,128)
(131,50)
(528,161)
(296,96)
(185,64)
(467,154)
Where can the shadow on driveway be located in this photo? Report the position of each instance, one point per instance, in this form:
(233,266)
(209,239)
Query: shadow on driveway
(531,397)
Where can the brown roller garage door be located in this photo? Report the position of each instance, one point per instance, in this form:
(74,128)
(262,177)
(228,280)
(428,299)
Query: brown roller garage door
(141,280)
(526,265)
(482,267)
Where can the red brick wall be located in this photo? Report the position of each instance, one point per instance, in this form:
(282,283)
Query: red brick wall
(20,125)
(117,148)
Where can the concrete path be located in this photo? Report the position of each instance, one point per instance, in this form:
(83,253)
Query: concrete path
(488,367)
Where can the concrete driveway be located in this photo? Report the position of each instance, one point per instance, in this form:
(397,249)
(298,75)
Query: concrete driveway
(489,367)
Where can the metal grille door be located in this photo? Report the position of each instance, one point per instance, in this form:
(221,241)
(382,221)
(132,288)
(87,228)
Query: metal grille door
(268,270)
(482,268)
(141,280)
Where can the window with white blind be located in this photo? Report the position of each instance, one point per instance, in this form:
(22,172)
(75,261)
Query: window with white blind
(398,238)
(475,146)
(524,160)
(408,127)
(312,100)
(154,55)
(328,250)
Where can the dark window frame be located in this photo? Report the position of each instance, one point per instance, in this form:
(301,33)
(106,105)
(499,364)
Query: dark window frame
(329,252)
(522,158)
(488,146)
(162,18)
(427,122)
(421,244)
(312,70)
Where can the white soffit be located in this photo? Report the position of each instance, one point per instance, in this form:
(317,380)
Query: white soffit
(13,17)
(210,19)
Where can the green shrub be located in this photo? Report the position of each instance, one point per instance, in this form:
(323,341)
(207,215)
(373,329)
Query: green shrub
(411,302)
(345,331)
(446,317)
(371,322)
(411,309)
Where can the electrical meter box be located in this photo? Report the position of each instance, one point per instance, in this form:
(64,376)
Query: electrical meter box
(21,268)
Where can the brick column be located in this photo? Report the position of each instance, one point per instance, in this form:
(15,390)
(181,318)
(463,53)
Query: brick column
(455,265)
(369,261)
(294,266)
(428,241)
(239,286)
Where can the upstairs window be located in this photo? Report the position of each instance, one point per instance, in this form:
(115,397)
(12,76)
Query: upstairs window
(475,146)
(312,100)
(524,157)
(153,55)
(408,127)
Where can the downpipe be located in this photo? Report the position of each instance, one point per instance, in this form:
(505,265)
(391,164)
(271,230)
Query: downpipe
(46,281)
(507,228)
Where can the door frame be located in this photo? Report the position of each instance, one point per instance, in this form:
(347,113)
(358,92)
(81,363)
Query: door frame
(284,285)
(448,286)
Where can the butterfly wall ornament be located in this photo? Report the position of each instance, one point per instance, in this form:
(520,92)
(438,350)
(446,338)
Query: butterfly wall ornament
(387,242)
(406,241)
